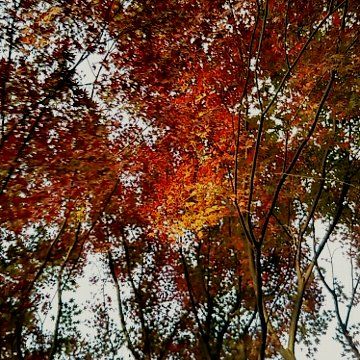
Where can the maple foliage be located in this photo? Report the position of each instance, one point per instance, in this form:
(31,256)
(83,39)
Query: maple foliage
(205,153)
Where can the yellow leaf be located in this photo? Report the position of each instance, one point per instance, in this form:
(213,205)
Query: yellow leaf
(52,12)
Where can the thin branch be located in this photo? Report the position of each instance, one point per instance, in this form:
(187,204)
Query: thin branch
(140,303)
(285,33)
(120,307)
(303,280)
(297,155)
(343,326)
(47,257)
(55,343)
(272,101)
(193,302)
(304,226)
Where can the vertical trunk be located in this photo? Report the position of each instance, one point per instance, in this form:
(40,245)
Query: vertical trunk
(260,303)
(256,271)
(295,317)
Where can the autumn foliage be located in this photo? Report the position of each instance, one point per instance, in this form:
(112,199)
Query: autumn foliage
(202,155)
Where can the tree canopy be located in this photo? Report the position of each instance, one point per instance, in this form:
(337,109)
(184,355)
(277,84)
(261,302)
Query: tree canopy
(204,154)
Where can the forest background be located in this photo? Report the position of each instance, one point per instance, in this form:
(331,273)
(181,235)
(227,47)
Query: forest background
(209,167)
